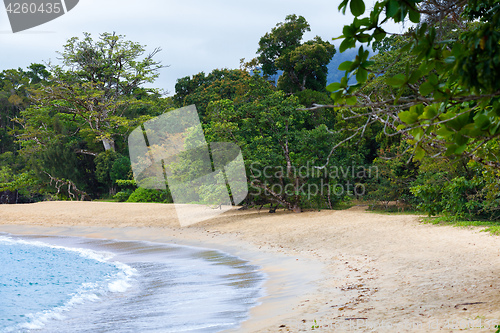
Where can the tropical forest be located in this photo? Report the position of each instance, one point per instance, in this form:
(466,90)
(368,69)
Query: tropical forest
(406,122)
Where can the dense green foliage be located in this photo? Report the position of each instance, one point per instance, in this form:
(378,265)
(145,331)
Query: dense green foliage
(416,123)
(64,128)
(304,65)
(434,88)
(146,195)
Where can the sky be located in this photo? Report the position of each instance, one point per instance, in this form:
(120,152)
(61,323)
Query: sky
(194,35)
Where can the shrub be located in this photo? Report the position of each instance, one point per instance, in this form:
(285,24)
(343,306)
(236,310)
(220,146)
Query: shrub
(123,196)
(458,197)
(147,195)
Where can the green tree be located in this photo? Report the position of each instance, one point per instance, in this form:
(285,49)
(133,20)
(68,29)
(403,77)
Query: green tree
(13,99)
(281,142)
(432,86)
(304,65)
(447,96)
(18,177)
(97,83)
(282,39)
(453,187)
(395,175)
(110,167)
(85,106)
(201,89)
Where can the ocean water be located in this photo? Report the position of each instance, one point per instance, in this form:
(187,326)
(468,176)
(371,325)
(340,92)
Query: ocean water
(68,284)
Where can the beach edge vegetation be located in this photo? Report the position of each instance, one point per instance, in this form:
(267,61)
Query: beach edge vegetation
(422,107)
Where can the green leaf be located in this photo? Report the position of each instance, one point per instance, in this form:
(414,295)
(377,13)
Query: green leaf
(364,38)
(459,122)
(345,65)
(433,79)
(408,117)
(460,139)
(426,88)
(417,133)
(495,130)
(415,76)
(357,7)
(379,35)
(343,82)
(426,67)
(444,132)
(333,87)
(460,149)
(343,6)
(351,100)
(418,109)
(451,150)
(482,122)
(438,95)
(458,50)
(472,132)
(414,16)
(358,23)
(349,31)
(429,112)
(419,154)
(396,81)
(336,96)
(347,43)
(391,8)
(361,75)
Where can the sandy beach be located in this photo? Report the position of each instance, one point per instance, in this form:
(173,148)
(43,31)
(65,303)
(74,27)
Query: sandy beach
(338,271)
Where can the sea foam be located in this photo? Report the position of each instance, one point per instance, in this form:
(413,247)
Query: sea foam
(118,282)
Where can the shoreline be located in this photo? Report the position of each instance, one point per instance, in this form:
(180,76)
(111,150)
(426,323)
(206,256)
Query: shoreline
(284,274)
(345,268)
(140,256)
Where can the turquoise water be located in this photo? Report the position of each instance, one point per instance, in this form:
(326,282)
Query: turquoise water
(65,284)
(39,282)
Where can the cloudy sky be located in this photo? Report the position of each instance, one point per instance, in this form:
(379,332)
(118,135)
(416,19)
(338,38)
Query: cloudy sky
(195,35)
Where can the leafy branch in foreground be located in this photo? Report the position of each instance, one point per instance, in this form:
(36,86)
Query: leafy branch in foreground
(437,89)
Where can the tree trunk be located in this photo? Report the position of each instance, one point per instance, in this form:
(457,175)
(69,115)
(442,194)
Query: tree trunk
(86,152)
(296,209)
(109,144)
(112,190)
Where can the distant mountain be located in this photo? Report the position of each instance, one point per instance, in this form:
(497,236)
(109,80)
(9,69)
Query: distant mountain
(334,75)
(273,78)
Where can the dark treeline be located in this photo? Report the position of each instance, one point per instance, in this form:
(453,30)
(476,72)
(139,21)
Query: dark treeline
(64,128)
